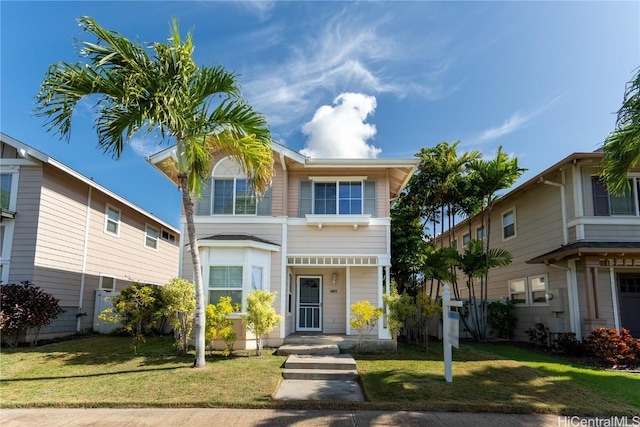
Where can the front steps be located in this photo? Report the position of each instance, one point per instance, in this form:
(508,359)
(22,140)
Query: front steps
(318,372)
(340,367)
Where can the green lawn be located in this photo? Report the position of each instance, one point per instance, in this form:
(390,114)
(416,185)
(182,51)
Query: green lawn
(102,371)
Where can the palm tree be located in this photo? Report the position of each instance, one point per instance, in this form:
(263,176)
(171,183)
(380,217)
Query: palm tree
(622,146)
(490,177)
(199,108)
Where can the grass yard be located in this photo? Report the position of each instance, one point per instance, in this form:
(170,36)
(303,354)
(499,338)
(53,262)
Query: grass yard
(497,378)
(102,371)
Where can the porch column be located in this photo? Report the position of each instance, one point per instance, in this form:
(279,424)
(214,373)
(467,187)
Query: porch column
(383,288)
(614,299)
(574,304)
(347,296)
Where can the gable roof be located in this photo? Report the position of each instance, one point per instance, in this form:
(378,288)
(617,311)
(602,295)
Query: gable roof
(401,170)
(27,152)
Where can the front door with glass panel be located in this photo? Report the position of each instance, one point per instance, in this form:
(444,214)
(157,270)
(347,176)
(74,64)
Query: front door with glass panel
(309,304)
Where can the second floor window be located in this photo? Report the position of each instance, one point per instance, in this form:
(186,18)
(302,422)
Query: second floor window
(112,221)
(5,190)
(508,224)
(337,198)
(605,204)
(151,237)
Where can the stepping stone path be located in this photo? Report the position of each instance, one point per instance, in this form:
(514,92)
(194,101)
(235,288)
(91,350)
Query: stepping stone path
(318,372)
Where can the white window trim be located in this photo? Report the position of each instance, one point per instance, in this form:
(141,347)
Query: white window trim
(5,259)
(337,181)
(515,223)
(530,291)
(14,171)
(233,203)
(526,291)
(106,220)
(146,235)
(468,239)
(102,276)
(478,228)
(242,288)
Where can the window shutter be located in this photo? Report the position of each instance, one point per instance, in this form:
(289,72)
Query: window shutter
(370,198)
(600,197)
(203,206)
(264,204)
(305,198)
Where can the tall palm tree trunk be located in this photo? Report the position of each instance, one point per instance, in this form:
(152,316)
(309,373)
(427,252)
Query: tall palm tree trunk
(199,324)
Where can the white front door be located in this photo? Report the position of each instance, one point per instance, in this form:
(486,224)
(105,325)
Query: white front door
(309,306)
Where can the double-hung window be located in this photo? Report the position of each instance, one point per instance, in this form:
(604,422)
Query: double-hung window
(480,232)
(337,197)
(5,190)
(112,221)
(466,239)
(606,204)
(151,237)
(225,281)
(509,224)
(529,291)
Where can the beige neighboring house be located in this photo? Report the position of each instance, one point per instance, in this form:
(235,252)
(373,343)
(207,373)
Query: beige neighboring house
(319,239)
(575,247)
(74,238)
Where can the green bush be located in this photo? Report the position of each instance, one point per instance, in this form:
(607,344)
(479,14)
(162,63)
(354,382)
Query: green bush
(502,319)
(364,317)
(138,308)
(539,335)
(568,344)
(613,348)
(218,325)
(179,306)
(25,306)
(261,317)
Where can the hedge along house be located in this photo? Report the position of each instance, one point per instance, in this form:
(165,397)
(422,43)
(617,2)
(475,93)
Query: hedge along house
(575,247)
(319,238)
(74,238)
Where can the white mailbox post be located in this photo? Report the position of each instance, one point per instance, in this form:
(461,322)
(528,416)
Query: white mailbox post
(450,329)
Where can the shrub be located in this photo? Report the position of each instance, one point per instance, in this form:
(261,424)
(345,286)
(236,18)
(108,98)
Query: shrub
(539,335)
(179,306)
(502,319)
(25,306)
(261,317)
(400,308)
(138,308)
(567,343)
(364,317)
(426,308)
(218,326)
(613,348)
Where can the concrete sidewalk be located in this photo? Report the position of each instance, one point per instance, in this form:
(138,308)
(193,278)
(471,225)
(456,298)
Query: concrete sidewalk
(194,417)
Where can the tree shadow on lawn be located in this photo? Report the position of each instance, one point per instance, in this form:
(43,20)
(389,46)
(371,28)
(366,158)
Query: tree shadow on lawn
(501,386)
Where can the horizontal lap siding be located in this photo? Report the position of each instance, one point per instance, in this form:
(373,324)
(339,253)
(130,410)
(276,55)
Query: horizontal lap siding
(382,195)
(61,235)
(277,191)
(364,286)
(337,240)
(612,232)
(26,221)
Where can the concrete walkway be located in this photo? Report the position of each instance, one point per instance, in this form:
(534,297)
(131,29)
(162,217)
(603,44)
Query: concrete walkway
(263,417)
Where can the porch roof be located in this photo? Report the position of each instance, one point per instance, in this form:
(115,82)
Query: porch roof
(604,249)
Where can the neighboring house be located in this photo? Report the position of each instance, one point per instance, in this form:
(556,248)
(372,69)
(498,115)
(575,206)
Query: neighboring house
(72,237)
(319,238)
(575,247)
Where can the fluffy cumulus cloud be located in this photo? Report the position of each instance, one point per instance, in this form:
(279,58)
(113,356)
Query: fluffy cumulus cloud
(340,131)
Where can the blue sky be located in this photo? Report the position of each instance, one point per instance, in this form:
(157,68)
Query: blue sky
(352,79)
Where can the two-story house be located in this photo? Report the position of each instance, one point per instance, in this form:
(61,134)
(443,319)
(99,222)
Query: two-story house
(74,238)
(575,247)
(319,239)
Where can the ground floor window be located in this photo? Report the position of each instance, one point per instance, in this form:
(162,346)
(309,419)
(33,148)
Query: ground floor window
(225,281)
(529,291)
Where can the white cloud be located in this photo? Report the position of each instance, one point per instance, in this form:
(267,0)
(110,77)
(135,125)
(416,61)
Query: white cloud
(515,122)
(145,146)
(340,131)
(349,53)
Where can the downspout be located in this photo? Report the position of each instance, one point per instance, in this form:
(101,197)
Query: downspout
(573,297)
(614,299)
(85,249)
(565,230)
